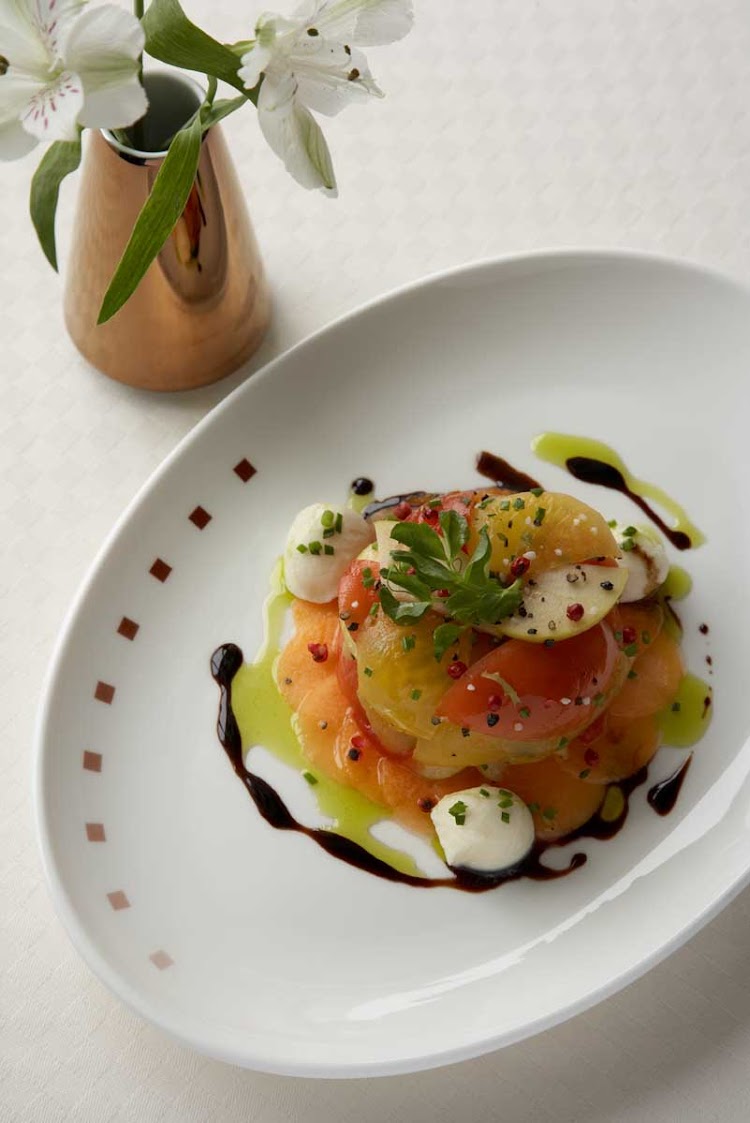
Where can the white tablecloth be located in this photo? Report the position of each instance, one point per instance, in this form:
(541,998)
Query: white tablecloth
(509,125)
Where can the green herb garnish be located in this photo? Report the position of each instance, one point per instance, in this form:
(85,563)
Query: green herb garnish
(407,642)
(505,816)
(310,778)
(458,811)
(416,695)
(302,549)
(315,547)
(433,563)
(328,550)
(327,519)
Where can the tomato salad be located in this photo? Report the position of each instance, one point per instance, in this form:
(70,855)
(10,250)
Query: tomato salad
(484,664)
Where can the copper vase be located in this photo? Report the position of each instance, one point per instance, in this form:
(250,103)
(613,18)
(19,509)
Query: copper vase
(203,306)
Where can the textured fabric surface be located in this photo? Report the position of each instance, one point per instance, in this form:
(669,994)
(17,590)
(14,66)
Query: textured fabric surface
(509,125)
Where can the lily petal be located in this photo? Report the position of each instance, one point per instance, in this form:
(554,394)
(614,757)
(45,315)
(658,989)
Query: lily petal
(368,23)
(52,112)
(15,142)
(253,65)
(294,134)
(112,102)
(103,46)
(330,77)
(17,88)
(101,39)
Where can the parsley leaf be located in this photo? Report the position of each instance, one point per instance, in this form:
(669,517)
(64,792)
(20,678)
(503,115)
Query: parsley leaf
(443,637)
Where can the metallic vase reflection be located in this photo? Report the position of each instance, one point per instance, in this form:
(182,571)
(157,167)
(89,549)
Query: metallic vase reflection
(203,306)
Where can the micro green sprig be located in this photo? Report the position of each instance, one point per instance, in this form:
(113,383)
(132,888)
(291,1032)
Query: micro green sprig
(433,569)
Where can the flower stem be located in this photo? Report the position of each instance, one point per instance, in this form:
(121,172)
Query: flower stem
(137,129)
(211,91)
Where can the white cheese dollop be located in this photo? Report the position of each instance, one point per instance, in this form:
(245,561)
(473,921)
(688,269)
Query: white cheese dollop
(647,563)
(489,833)
(315,576)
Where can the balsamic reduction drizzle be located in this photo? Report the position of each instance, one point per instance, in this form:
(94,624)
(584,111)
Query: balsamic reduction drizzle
(504,474)
(606,475)
(226,662)
(663,796)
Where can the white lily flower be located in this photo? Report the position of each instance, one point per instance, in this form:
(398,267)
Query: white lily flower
(65,65)
(311,62)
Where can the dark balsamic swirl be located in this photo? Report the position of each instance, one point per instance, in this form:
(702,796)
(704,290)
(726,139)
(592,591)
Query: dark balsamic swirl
(226,662)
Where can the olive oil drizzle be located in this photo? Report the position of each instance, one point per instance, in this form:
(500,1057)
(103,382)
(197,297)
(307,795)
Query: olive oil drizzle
(597,463)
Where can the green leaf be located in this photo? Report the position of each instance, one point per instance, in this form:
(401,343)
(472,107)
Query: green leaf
(406,581)
(172,38)
(212,114)
(158,217)
(434,573)
(484,605)
(476,570)
(455,530)
(420,538)
(402,613)
(444,636)
(60,159)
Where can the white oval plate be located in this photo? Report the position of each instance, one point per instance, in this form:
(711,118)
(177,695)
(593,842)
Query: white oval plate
(255,946)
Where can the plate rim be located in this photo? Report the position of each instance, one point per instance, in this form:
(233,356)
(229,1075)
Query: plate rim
(66,912)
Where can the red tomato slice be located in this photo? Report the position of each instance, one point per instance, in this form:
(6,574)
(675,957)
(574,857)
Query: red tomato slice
(358,592)
(459,501)
(529,692)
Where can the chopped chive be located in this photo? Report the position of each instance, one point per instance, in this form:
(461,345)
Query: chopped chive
(329,532)
(315,547)
(416,695)
(374,610)
(629,531)
(632,674)
(505,816)
(458,811)
(328,550)
(645,637)
(302,549)
(367,578)
(549,813)
(484,792)
(505,505)
(339,523)
(537,491)
(465,732)
(676,707)
(582,775)
(598,699)
(327,518)
(368,672)
(524,711)
(612,523)
(533,807)
(630,650)
(505,802)
(539,516)
(408,642)
(627,544)
(310,778)
(563,742)
(519,504)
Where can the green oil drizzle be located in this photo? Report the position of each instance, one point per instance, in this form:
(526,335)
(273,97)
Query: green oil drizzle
(558,448)
(678,583)
(689,716)
(264,718)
